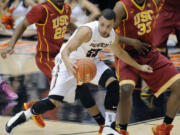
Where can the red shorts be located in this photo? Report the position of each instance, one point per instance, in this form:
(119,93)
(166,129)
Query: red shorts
(44,64)
(163,76)
(164,25)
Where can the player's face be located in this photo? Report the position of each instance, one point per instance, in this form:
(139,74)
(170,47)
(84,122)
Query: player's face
(105,26)
(58,3)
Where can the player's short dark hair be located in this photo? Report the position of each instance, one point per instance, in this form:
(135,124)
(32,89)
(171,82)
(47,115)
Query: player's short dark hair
(109,14)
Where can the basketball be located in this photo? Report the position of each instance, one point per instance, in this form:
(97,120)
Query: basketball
(86,69)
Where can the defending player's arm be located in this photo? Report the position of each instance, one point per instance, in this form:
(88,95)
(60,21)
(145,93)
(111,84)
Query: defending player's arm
(123,55)
(140,46)
(31,18)
(83,35)
(16,35)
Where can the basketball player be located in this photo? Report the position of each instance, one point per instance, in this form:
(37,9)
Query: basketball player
(86,41)
(167,20)
(134,19)
(52,19)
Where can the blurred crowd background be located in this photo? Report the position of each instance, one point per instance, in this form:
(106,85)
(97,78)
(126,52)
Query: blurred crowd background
(20,80)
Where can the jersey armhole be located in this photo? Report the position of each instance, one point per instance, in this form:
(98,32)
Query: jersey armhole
(47,15)
(126,17)
(156,5)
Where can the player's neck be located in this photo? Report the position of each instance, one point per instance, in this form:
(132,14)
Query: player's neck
(139,2)
(58,6)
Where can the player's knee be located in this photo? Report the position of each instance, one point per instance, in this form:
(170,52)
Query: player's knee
(85,96)
(126,91)
(112,96)
(175,87)
(106,78)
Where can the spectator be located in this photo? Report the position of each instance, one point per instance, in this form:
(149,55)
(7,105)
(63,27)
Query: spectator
(78,15)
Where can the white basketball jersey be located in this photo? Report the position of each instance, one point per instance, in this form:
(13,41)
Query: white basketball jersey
(94,45)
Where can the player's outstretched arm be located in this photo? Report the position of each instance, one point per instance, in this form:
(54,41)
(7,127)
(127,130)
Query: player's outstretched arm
(18,32)
(141,47)
(123,55)
(82,35)
(16,35)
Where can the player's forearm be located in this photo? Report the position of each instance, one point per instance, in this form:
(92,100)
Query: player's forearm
(17,33)
(126,40)
(65,54)
(124,56)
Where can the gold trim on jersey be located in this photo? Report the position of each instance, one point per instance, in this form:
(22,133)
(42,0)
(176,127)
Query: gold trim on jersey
(45,31)
(47,48)
(48,66)
(46,16)
(60,11)
(123,82)
(161,4)
(170,82)
(125,10)
(139,7)
(39,37)
(155,4)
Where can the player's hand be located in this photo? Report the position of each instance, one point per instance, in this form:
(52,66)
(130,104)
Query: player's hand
(5,51)
(71,67)
(141,47)
(146,68)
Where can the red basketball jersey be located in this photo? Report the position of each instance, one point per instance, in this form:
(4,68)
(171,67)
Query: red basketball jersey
(51,24)
(138,21)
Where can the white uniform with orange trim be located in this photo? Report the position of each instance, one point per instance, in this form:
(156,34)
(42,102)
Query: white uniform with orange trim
(64,83)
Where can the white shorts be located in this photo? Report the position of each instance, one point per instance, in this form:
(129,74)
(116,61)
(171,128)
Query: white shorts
(64,84)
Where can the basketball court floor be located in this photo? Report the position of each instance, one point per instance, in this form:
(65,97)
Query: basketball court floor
(69,128)
(58,127)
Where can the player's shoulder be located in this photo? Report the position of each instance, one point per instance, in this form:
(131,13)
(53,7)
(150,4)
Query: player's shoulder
(85,29)
(92,24)
(39,8)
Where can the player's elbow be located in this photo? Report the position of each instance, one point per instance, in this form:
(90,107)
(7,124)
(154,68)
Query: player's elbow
(65,52)
(97,13)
